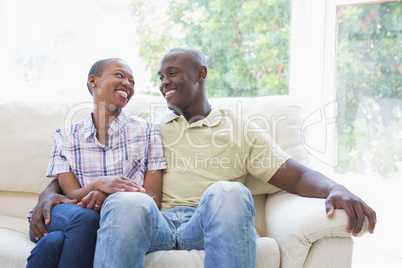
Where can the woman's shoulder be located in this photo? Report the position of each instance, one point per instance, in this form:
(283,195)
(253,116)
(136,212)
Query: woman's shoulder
(73,129)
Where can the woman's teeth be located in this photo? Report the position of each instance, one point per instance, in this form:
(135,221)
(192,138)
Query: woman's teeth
(123,93)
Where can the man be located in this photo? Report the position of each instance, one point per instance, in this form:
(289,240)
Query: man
(201,203)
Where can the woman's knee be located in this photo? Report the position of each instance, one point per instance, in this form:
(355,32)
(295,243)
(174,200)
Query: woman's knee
(87,217)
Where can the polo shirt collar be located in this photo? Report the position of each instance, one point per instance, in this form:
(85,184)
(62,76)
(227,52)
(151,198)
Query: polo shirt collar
(213,118)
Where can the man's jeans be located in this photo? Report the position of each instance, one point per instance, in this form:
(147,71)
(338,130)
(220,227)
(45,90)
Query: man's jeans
(71,239)
(223,224)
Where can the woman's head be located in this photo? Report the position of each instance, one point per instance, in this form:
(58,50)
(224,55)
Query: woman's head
(111,81)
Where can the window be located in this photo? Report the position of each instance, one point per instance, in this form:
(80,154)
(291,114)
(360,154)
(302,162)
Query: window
(335,64)
(369,88)
(48,46)
(246,43)
(351,81)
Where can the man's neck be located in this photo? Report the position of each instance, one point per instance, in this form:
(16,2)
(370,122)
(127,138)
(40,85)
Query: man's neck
(193,114)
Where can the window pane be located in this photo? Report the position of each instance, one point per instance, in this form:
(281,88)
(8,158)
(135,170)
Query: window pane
(369,88)
(246,42)
(48,46)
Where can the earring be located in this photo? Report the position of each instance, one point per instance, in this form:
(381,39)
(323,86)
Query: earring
(93,85)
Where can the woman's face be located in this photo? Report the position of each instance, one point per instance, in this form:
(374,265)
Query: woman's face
(115,86)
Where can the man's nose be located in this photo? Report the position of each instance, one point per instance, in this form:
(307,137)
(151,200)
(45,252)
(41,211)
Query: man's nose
(165,81)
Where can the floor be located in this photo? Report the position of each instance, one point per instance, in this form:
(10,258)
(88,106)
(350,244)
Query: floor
(383,248)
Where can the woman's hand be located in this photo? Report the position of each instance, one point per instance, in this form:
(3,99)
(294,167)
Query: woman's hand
(113,184)
(93,200)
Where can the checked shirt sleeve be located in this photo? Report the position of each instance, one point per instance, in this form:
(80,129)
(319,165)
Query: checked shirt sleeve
(58,162)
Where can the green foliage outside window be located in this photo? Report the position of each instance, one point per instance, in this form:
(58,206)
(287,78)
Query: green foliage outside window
(246,43)
(369,87)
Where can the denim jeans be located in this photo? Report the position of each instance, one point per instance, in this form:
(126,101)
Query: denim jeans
(71,239)
(223,225)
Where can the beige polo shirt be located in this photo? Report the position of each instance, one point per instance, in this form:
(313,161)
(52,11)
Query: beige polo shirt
(219,147)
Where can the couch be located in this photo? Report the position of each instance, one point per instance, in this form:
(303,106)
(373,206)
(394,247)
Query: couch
(292,231)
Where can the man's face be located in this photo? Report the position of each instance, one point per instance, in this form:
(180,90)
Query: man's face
(178,80)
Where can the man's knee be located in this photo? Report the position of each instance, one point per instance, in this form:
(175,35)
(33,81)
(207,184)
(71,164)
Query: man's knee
(128,203)
(228,196)
(230,189)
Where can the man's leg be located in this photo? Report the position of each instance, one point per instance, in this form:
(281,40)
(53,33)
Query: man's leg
(224,222)
(76,247)
(131,225)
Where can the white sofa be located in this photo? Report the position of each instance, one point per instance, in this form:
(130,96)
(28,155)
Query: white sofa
(293,231)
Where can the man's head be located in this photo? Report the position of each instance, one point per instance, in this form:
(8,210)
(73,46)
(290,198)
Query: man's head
(183,75)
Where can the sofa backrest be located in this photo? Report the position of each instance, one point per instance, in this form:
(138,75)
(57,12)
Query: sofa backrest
(26,137)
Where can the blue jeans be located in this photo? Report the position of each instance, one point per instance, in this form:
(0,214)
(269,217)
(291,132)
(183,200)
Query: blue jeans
(223,225)
(71,239)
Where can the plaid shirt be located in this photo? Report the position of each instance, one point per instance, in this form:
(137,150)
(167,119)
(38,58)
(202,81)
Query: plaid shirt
(134,146)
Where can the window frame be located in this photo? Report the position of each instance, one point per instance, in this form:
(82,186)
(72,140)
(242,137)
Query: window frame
(313,72)
(313,49)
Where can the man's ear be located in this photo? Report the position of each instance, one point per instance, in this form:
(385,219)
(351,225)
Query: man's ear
(202,73)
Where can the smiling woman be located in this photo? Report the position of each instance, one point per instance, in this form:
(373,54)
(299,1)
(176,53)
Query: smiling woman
(46,46)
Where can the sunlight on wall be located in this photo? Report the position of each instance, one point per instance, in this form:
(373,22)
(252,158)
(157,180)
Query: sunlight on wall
(48,46)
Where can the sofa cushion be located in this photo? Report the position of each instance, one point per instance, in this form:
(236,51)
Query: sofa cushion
(27,140)
(15,247)
(268,256)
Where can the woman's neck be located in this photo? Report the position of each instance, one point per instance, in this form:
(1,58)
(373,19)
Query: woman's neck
(102,116)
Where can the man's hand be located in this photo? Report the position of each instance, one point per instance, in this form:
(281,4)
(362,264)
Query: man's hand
(355,209)
(41,213)
(93,200)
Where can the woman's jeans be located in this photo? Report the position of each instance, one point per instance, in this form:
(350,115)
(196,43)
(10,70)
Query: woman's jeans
(71,239)
(223,225)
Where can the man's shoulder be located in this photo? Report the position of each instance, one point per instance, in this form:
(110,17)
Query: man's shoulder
(151,116)
(229,114)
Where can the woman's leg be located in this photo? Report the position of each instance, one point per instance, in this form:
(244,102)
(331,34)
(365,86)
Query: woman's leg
(47,251)
(79,227)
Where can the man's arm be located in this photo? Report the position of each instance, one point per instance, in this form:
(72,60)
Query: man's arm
(296,178)
(50,197)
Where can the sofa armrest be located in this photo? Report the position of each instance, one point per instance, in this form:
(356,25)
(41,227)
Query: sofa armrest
(297,222)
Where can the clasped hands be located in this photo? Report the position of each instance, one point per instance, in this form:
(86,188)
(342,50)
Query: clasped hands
(93,200)
(104,186)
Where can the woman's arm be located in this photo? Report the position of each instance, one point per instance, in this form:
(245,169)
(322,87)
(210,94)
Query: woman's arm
(153,185)
(108,184)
